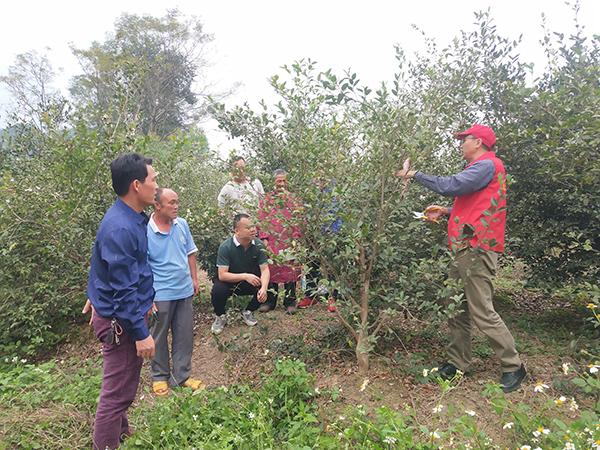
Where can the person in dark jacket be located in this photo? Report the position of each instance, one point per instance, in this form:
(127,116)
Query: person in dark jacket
(121,295)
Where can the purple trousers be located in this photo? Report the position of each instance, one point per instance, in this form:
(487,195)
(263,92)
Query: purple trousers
(120,380)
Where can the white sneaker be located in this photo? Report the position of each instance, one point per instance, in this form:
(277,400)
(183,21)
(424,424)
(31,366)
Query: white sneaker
(248,317)
(219,324)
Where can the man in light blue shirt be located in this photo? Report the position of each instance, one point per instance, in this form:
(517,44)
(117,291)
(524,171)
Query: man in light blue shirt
(172,258)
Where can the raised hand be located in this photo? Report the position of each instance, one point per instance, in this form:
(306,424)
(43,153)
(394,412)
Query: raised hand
(434,212)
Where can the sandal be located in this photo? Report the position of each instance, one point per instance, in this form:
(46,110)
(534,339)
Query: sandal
(160,388)
(193,384)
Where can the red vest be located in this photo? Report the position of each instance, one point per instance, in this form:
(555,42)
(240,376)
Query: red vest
(479,219)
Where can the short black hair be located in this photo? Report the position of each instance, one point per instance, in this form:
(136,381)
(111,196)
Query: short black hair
(236,159)
(126,168)
(237,218)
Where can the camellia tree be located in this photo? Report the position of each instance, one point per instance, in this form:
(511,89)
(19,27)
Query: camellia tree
(147,71)
(341,142)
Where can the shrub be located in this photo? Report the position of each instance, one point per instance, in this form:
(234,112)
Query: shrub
(281,414)
(52,204)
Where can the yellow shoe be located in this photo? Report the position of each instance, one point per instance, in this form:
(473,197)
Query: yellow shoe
(160,388)
(194,384)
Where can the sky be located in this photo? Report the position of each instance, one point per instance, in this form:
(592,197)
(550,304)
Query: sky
(253,39)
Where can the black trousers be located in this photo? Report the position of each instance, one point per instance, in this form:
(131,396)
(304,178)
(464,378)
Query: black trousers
(289,298)
(221,291)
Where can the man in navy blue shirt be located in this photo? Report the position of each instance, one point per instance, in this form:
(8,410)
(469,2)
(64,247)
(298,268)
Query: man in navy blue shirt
(120,292)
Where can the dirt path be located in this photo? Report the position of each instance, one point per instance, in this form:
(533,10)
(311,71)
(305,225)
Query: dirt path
(208,362)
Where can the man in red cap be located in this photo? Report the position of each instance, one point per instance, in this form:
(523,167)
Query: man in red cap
(476,236)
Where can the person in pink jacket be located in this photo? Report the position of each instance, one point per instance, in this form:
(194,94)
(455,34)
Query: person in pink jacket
(278,213)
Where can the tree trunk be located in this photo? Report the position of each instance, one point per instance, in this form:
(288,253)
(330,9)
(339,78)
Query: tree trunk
(362,353)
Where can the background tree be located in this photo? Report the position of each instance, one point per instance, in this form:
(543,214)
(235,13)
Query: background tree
(146,71)
(552,146)
(29,81)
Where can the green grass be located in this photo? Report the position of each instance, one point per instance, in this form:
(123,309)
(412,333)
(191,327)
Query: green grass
(49,405)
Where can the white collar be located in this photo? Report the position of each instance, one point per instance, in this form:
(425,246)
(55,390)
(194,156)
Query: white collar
(237,243)
(154,227)
(248,180)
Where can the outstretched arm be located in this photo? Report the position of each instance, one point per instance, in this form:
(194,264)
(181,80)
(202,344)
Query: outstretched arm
(472,179)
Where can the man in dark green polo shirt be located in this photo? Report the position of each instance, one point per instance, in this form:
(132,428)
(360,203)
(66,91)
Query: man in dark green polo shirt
(243,269)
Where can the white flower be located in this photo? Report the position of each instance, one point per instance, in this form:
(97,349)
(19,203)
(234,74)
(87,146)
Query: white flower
(251,415)
(23,361)
(565,367)
(438,409)
(425,372)
(541,430)
(525,447)
(540,387)
(507,426)
(317,391)
(364,384)
(266,351)
(342,418)
(594,368)
(435,434)
(389,440)
(569,446)
(573,406)
(470,412)
(433,370)
(195,417)
(560,400)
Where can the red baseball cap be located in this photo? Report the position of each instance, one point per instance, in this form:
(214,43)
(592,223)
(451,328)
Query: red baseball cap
(486,134)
